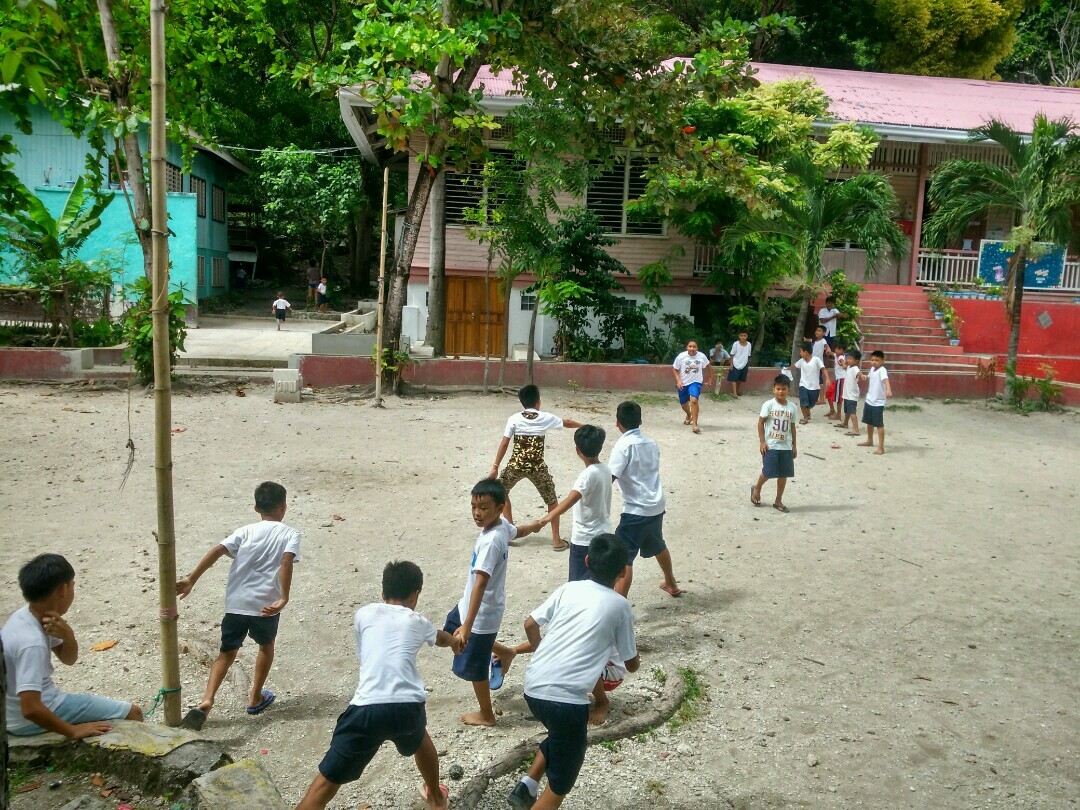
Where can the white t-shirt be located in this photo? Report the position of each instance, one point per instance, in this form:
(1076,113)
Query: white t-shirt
(691,368)
(851,382)
(830,326)
(588,625)
(719,355)
(818,349)
(255,576)
(635,462)
(321,289)
(838,365)
(388,637)
(875,385)
(29,665)
(810,373)
(740,354)
(281,303)
(592,512)
(489,556)
(531,422)
(778,423)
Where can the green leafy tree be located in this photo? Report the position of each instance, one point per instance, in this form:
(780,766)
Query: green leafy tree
(1047,49)
(1041,186)
(819,210)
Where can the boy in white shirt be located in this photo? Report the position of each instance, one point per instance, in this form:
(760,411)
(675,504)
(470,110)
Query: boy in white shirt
(740,362)
(720,358)
(836,391)
(828,316)
(320,294)
(820,345)
(777,441)
(256,591)
(280,308)
(475,619)
(586,621)
(851,392)
(811,369)
(635,464)
(31,637)
(691,370)
(526,430)
(873,409)
(389,704)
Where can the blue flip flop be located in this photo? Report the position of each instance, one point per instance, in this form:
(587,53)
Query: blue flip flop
(495,681)
(267,698)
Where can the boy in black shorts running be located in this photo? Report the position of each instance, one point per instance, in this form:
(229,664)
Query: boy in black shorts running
(389,704)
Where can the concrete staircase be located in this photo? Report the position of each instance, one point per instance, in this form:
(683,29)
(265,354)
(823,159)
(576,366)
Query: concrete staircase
(898,321)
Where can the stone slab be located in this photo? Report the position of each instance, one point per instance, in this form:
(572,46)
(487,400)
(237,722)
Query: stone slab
(240,786)
(287,385)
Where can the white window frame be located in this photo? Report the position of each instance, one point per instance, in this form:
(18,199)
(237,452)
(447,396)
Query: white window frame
(626,165)
(529,302)
(217,272)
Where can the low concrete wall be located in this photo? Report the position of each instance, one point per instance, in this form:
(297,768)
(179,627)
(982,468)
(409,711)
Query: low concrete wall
(44,364)
(344,344)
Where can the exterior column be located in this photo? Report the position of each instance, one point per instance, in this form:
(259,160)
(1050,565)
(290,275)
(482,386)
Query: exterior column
(920,206)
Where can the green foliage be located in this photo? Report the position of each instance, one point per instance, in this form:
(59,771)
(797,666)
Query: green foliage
(138,327)
(394,363)
(102,332)
(693,694)
(846,294)
(1047,48)
(1019,387)
(743,318)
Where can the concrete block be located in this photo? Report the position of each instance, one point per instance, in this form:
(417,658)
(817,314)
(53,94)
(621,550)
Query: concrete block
(520,351)
(358,344)
(422,350)
(242,786)
(287,385)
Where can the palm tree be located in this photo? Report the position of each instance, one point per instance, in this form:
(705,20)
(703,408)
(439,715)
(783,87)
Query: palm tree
(1042,187)
(819,212)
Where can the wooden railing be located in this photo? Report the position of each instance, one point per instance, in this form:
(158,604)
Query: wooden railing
(961,267)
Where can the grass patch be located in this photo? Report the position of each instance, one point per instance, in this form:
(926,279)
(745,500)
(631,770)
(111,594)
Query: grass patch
(19,775)
(526,763)
(610,745)
(652,399)
(659,675)
(721,397)
(910,408)
(656,787)
(693,694)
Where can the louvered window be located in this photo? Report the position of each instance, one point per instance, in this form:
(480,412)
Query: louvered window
(174,178)
(217,278)
(607,196)
(466,189)
(198,188)
(200,273)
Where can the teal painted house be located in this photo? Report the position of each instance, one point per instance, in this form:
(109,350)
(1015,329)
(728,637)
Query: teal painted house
(51,159)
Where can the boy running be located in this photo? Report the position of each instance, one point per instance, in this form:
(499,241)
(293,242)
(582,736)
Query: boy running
(691,370)
(851,391)
(740,362)
(527,430)
(280,308)
(873,409)
(777,442)
(389,704)
(585,621)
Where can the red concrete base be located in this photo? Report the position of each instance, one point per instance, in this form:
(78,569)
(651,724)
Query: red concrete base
(44,364)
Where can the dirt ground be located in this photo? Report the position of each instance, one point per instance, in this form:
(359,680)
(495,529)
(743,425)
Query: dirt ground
(906,637)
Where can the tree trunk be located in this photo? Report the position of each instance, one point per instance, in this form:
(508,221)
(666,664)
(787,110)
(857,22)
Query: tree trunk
(800,324)
(436,319)
(119,81)
(509,279)
(360,270)
(532,342)
(759,336)
(1014,303)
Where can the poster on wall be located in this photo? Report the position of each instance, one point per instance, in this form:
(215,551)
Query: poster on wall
(1043,272)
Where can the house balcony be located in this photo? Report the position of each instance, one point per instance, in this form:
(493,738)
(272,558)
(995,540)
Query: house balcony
(941,267)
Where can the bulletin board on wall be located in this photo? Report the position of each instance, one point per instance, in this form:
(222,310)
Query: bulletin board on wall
(1042,272)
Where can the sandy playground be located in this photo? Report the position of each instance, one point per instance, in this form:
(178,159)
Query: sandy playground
(906,637)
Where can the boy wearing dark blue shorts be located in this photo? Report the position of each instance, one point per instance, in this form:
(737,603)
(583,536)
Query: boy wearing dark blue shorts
(587,622)
(475,619)
(389,704)
(635,464)
(691,369)
(777,441)
(256,592)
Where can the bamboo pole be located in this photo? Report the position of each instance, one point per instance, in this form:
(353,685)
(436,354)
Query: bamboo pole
(382,287)
(166,537)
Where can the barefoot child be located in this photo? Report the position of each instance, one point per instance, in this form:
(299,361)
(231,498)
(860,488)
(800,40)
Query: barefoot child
(740,362)
(635,464)
(280,308)
(31,637)
(585,621)
(256,591)
(476,618)
(778,443)
(390,697)
(527,430)
(691,370)
(836,390)
(851,392)
(811,369)
(873,409)
(320,294)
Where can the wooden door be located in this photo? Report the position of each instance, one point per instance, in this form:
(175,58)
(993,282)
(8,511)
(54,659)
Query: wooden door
(467,301)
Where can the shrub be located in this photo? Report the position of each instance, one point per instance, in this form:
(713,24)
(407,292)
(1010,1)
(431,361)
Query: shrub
(138,327)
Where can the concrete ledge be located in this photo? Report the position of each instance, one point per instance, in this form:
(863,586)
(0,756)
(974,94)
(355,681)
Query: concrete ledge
(17,363)
(156,759)
(241,786)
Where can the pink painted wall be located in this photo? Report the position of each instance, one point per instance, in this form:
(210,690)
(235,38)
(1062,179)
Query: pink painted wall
(986,331)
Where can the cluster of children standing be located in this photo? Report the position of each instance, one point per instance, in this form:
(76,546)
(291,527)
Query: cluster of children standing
(588,646)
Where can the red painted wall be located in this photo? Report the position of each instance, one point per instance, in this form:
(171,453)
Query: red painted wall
(985,330)
(39,364)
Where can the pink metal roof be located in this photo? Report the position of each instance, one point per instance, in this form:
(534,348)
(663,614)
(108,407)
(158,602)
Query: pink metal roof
(898,100)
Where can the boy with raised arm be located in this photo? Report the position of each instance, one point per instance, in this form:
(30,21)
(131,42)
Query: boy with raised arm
(389,704)
(256,592)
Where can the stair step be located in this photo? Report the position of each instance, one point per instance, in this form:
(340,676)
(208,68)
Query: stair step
(892,330)
(910,349)
(893,320)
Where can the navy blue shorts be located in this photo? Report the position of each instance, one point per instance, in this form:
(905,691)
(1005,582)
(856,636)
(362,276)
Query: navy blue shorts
(738,374)
(280,314)
(474,663)
(578,569)
(778,464)
(687,391)
(320,298)
(808,398)
(564,747)
(235,628)
(873,415)
(851,406)
(642,535)
(361,731)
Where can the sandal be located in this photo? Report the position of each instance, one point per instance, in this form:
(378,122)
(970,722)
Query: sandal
(268,697)
(779,507)
(561,546)
(676,591)
(758,501)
